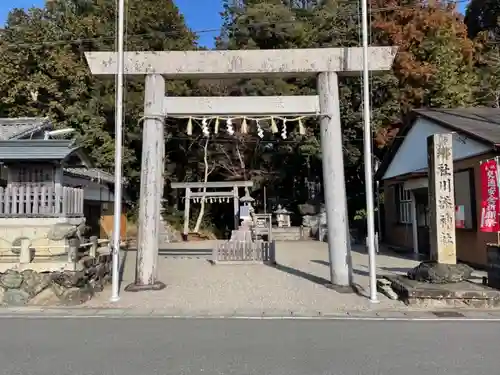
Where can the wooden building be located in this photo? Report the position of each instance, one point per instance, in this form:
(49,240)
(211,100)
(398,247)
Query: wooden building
(403,173)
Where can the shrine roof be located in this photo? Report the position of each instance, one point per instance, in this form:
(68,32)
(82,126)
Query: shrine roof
(480,124)
(93,174)
(42,150)
(21,127)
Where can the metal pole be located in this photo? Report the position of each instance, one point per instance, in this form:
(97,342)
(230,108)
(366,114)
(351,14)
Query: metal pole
(118,154)
(379,215)
(368,157)
(265,200)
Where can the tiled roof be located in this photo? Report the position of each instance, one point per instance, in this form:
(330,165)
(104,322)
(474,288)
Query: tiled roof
(479,122)
(37,149)
(93,174)
(22,127)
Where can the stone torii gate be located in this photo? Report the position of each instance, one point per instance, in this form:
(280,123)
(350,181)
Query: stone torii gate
(211,195)
(325,63)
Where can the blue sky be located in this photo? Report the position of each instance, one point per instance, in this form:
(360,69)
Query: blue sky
(199,14)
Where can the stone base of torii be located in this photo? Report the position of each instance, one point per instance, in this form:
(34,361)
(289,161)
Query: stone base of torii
(325,63)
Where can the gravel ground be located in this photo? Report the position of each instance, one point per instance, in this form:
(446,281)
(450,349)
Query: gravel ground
(194,286)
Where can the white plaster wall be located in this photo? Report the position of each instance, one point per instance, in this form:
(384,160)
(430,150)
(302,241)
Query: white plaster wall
(412,154)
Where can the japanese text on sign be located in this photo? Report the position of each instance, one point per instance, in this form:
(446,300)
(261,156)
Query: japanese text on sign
(490,205)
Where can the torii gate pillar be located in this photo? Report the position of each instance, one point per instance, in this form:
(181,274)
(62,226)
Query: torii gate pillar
(152,182)
(333,179)
(328,63)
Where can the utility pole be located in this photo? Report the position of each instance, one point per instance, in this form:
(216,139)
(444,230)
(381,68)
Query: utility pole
(368,157)
(118,153)
(377,196)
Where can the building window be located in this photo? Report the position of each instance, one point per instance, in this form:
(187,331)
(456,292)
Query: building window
(403,204)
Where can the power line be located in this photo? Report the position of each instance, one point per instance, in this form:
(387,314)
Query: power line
(201,31)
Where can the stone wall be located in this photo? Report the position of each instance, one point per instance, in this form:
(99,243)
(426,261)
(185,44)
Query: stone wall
(48,236)
(64,288)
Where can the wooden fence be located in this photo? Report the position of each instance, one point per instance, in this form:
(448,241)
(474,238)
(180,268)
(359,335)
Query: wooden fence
(41,201)
(245,251)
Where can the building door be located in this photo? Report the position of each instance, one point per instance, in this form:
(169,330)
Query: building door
(92,212)
(422,203)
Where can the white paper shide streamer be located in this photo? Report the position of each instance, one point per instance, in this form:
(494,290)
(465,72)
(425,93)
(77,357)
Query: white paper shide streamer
(229,126)
(204,127)
(260,131)
(283,130)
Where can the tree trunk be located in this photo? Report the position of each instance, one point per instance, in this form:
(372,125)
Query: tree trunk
(202,207)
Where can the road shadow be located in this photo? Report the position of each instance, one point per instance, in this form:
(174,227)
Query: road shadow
(354,270)
(355,288)
(397,270)
(305,275)
(123,260)
(185,253)
(322,262)
(400,254)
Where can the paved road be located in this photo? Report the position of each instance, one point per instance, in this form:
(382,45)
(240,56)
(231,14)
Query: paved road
(245,347)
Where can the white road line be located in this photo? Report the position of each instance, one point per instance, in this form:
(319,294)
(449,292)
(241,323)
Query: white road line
(222,317)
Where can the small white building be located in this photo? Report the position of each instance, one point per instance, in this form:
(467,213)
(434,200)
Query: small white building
(404,177)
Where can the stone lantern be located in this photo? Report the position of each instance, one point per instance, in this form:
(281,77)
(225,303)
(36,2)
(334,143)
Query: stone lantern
(246,209)
(282,217)
(247,200)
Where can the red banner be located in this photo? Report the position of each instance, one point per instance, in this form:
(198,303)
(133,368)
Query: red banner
(490,203)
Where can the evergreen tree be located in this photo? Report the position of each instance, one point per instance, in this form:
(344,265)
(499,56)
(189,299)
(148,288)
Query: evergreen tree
(43,71)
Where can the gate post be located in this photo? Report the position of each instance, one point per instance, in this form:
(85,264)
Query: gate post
(152,166)
(333,178)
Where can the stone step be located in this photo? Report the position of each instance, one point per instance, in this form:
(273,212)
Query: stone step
(287,230)
(289,237)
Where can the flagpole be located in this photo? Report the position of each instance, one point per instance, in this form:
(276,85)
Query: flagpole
(370,213)
(118,154)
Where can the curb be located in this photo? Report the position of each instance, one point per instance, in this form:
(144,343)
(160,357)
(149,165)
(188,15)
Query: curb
(80,313)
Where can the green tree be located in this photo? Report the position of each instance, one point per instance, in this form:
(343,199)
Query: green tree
(43,71)
(481,16)
(434,64)
(309,24)
(483,25)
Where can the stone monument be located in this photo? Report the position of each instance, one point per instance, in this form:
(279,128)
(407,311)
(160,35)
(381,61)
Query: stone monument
(441,199)
(441,281)
(443,267)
